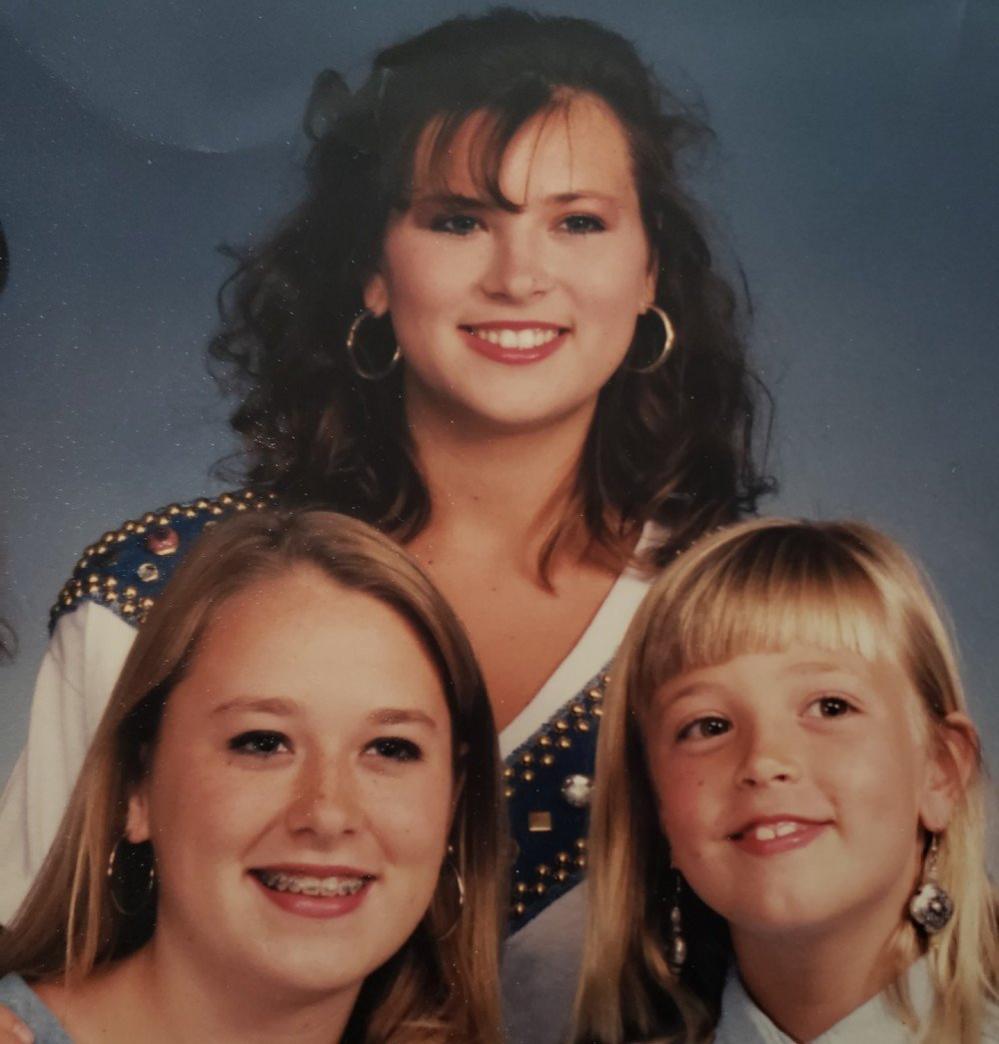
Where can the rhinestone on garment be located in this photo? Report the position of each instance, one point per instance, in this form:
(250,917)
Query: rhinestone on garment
(163,540)
(576,790)
(147,572)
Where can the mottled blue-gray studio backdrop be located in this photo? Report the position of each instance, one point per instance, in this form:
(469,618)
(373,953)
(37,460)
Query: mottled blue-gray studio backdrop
(855,179)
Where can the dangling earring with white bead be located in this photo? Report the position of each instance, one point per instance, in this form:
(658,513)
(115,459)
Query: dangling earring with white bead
(931,907)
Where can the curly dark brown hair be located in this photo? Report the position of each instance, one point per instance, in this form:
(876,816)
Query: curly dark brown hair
(675,446)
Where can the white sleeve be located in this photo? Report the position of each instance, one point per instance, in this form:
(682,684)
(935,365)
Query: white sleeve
(78,672)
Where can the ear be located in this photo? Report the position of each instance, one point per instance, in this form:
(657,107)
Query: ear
(953,760)
(137,819)
(376,295)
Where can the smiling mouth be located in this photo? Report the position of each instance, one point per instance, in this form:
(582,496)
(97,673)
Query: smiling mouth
(524,338)
(305,884)
(772,831)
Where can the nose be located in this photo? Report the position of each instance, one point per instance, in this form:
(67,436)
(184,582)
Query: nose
(769,758)
(517,268)
(325,800)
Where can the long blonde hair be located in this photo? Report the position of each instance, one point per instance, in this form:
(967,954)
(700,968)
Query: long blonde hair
(442,984)
(757,587)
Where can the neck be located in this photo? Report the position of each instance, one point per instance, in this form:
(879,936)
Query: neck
(806,985)
(164,995)
(495,489)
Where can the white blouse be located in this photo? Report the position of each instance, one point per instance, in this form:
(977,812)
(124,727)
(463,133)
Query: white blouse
(875,1022)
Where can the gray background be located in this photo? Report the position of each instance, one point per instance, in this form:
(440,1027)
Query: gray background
(855,179)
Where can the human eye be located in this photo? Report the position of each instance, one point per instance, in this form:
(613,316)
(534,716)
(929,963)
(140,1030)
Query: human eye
(830,705)
(708,727)
(395,748)
(455,224)
(260,743)
(582,224)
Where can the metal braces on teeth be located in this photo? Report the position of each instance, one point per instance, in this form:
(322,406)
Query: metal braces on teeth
(321,886)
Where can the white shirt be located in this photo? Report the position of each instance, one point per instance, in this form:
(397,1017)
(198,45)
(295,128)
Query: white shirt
(875,1022)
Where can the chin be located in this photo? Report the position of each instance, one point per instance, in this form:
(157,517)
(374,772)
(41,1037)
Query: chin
(525,416)
(310,974)
(783,902)
(786,917)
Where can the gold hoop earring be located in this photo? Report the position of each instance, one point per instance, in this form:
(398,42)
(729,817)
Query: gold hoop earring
(351,345)
(116,884)
(669,339)
(461,898)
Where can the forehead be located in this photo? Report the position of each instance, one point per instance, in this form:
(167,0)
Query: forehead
(577,144)
(304,637)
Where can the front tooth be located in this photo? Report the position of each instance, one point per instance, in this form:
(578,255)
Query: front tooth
(783,829)
(765,833)
(509,339)
(527,339)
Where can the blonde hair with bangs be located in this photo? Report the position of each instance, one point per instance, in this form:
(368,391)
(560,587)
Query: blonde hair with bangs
(761,586)
(442,984)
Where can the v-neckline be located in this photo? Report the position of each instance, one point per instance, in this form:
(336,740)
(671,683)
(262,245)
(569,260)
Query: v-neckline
(587,657)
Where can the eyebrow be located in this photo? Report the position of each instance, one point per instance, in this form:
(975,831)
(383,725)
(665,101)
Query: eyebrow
(401,716)
(817,667)
(810,667)
(450,199)
(277,705)
(457,200)
(262,704)
(574,197)
(693,689)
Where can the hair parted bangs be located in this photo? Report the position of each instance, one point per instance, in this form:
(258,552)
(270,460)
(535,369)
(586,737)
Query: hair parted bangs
(481,137)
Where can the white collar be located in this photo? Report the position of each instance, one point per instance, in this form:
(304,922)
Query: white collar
(874,1022)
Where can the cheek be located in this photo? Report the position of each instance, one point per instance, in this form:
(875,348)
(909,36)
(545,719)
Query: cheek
(687,803)
(412,817)
(204,810)
(613,281)
(421,280)
(882,806)
(875,782)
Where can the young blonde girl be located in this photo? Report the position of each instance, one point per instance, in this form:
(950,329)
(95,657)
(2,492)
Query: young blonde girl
(785,761)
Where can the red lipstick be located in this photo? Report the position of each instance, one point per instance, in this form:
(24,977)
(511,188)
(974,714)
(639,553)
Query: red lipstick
(514,355)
